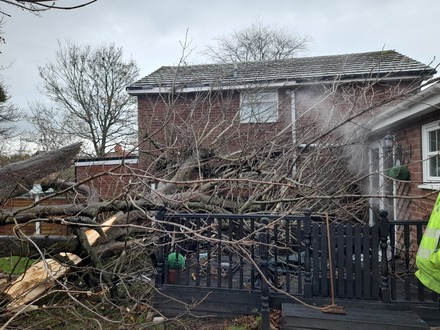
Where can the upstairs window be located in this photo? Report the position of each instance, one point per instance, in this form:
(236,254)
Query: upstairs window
(259,107)
(431,152)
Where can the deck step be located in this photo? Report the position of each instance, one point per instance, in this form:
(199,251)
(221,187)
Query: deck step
(297,316)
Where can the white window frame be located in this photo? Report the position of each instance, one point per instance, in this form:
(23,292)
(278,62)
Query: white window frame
(377,173)
(266,100)
(430,182)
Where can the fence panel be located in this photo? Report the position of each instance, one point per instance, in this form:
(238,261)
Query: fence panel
(222,251)
(404,239)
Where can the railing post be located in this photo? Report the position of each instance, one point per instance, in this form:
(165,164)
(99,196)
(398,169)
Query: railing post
(263,238)
(160,250)
(307,262)
(384,232)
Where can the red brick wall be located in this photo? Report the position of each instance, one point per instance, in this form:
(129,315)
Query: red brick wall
(185,122)
(321,108)
(111,180)
(409,137)
(180,121)
(165,123)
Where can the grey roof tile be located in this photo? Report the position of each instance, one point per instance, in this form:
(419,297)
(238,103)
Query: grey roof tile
(348,66)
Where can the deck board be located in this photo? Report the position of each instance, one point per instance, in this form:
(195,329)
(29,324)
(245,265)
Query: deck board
(296,316)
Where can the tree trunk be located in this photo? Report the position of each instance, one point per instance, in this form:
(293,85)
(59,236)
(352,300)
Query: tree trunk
(33,245)
(18,178)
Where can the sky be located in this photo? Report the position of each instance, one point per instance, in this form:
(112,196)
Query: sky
(151,32)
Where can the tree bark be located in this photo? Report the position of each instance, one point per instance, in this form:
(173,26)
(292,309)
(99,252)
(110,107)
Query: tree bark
(33,245)
(18,178)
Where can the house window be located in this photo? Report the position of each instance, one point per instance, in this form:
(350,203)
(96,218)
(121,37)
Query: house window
(259,107)
(431,152)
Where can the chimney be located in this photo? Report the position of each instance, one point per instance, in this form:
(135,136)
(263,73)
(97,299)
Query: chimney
(118,149)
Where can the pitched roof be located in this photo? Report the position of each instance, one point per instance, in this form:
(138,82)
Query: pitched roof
(304,69)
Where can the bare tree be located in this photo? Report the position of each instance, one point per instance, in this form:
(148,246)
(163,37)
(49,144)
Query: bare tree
(219,165)
(37,6)
(8,115)
(257,42)
(47,123)
(88,88)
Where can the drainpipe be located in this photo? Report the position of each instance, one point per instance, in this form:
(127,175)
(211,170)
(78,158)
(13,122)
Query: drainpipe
(388,144)
(291,93)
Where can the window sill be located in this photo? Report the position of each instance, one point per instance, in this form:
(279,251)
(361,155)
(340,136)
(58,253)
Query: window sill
(262,122)
(429,186)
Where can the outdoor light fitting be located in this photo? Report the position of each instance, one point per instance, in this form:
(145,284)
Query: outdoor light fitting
(388,141)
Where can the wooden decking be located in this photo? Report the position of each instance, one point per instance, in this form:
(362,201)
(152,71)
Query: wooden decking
(361,315)
(181,300)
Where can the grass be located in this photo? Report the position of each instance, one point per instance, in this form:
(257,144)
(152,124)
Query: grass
(15,265)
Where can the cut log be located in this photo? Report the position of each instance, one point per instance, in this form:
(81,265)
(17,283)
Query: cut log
(43,275)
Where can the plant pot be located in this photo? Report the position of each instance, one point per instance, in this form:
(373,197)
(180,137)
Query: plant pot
(176,263)
(172,276)
(399,172)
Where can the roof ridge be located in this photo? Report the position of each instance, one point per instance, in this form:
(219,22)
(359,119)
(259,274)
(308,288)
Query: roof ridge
(389,51)
(312,68)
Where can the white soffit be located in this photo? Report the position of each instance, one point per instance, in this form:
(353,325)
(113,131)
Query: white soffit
(418,105)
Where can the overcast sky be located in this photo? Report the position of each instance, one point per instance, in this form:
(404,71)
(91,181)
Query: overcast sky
(150,31)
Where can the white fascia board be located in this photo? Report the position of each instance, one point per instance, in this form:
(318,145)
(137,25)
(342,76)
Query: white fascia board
(418,105)
(142,91)
(106,162)
(250,85)
(159,90)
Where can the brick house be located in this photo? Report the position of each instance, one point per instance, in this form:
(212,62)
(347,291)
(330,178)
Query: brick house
(413,127)
(263,106)
(256,101)
(112,173)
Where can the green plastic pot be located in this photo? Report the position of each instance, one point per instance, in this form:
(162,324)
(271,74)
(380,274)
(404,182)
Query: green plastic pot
(399,172)
(176,261)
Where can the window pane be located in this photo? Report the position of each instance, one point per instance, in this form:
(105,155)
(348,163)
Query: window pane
(437,142)
(264,112)
(245,113)
(259,107)
(265,97)
(434,163)
(433,141)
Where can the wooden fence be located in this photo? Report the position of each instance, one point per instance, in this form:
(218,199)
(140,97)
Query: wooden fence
(43,228)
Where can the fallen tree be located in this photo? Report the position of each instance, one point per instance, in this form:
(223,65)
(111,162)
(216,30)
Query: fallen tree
(18,178)
(43,275)
(192,170)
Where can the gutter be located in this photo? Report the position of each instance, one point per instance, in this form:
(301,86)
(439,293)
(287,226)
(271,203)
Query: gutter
(134,91)
(416,106)
(207,88)
(103,161)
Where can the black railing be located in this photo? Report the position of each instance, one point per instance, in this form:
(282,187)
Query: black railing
(404,239)
(289,253)
(221,250)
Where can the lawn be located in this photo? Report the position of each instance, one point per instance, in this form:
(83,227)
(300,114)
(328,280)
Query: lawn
(15,265)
